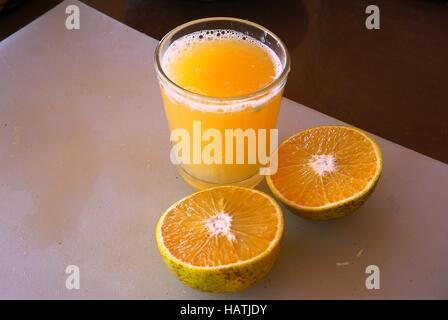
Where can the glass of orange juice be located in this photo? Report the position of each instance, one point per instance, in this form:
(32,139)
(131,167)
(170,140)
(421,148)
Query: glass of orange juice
(221,81)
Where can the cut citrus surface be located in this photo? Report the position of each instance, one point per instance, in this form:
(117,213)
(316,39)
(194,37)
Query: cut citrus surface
(326,172)
(221,239)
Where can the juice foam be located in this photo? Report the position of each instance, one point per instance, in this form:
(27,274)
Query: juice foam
(220,64)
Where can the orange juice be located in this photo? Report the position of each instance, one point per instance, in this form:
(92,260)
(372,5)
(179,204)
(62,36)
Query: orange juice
(223,74)
(220,64)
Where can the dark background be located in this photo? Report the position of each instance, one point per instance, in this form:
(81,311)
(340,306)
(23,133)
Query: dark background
(391,82)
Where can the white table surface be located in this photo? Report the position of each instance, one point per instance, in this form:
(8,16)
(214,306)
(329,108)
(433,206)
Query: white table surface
(85,174)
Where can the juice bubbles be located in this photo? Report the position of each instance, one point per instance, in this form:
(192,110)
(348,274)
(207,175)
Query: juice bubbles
(220,63)
(220,80)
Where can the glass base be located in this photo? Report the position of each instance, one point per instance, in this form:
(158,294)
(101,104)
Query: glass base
(198,184)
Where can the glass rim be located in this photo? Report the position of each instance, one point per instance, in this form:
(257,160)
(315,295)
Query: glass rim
(273,84)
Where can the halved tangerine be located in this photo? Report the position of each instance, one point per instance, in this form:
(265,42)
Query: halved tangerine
(326,172)
(221,239)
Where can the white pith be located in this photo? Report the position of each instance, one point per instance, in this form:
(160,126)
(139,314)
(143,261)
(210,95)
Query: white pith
(220,224)
(322,163)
